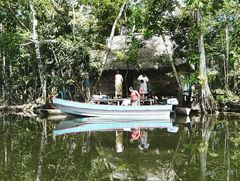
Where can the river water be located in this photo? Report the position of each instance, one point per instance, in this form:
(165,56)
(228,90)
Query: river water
(184,148)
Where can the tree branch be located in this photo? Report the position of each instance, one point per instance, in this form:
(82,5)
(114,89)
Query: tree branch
(7,6)
(41,42)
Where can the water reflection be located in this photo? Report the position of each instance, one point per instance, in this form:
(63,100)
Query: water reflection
(208,126)
(41,150)
(137,128)
(119,141)
(78,125)
(187,148)
(142,136)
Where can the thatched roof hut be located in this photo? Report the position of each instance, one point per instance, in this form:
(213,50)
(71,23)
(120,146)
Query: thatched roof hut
(152,60)
(153,55)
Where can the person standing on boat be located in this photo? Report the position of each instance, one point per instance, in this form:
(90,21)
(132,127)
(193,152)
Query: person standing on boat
(143,85)
(135,97)
(118,85)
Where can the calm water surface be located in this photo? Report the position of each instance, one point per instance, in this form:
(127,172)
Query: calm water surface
(205,148)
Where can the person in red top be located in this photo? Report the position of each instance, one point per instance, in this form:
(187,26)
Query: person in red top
(135,97)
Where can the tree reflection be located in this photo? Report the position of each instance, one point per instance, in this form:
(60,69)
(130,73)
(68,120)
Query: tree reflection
(41,149)
(207,150)
(208,123)
(86,142)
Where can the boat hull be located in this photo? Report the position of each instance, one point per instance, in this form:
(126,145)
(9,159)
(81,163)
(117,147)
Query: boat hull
(87,109)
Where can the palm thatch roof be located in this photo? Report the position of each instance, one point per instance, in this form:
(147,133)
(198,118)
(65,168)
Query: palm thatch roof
(153,55)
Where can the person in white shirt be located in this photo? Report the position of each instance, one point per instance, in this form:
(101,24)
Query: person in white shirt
(118,85)
(143,83)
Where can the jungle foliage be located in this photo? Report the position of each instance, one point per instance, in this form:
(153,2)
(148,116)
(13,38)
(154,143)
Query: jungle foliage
(48,45)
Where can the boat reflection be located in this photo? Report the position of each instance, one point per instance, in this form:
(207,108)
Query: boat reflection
(91,124)
(137,129)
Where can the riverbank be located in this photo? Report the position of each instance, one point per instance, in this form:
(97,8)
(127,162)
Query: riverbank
(27,110)
(33,109)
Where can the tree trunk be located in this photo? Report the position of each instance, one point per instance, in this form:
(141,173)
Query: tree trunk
(126,80)
(174,69)
(226,58)
(3,73)
(4,80)
(207,101)
(38,54)
(109,41)
(87,88)
(74,18)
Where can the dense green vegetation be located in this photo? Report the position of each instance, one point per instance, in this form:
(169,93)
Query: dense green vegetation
(50,44)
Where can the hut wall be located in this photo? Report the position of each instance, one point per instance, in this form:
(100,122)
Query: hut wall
(160,83)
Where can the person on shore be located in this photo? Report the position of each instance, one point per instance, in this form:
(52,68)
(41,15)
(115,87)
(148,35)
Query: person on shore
(135,97)
(143,85)
(118,85)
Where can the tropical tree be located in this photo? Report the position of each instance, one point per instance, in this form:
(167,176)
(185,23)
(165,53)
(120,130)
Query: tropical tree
(198,33)
(48,44)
